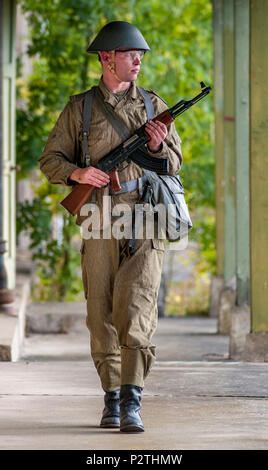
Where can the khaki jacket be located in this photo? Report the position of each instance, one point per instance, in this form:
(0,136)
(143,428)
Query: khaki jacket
(64,144)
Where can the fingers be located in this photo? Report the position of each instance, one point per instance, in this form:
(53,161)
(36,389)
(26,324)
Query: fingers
(157,131)
(96,177)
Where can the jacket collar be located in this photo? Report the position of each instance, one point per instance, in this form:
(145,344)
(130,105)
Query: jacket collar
(109,97)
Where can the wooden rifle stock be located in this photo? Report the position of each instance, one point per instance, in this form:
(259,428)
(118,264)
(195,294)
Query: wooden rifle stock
(79,196)
(82,192)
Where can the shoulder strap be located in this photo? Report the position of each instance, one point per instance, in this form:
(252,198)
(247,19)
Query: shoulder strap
(148,103)
(87,108)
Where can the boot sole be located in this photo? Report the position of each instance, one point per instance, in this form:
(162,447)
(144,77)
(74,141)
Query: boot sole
(109,425)
(131,428)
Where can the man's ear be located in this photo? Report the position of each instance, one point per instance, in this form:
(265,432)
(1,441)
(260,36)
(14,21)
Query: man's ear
(104,57)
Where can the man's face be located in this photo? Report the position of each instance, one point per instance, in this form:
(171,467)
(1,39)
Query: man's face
(127,63)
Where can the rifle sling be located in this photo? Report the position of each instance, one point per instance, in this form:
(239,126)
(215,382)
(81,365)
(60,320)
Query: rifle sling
(87,109)
(115,121)
(110,115)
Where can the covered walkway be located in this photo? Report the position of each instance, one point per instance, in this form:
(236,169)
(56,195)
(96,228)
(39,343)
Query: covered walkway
(194,398)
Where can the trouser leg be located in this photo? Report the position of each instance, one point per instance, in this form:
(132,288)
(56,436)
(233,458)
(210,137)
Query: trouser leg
(135,308)
(121,292)
(99,265)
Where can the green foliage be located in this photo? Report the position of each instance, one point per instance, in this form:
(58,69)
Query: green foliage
(180,36)
(57,260)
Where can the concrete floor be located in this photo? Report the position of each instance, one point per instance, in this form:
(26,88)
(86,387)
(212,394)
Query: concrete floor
(177,339)
(194,397)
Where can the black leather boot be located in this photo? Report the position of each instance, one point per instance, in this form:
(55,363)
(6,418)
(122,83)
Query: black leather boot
(111,413)
(130,404)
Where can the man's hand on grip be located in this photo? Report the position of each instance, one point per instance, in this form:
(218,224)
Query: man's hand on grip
(90,175)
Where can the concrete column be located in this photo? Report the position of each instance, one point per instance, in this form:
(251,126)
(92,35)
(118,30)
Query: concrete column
(257,340)
(7,145)
(228,293)
(217,281)
(240,314)
(219,151)
(8,142)
(229,143)
(242,149)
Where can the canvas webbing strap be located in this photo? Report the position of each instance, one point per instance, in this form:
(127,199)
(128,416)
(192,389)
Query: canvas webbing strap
(87,109)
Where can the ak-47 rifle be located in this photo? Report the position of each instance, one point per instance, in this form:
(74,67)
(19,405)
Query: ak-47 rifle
(125,152)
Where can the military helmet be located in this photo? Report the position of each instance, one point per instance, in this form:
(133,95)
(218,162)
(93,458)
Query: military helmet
(118,34)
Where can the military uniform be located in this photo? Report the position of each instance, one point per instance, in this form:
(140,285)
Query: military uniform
(121,290)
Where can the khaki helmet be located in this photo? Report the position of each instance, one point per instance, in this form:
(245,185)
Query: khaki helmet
(118,34)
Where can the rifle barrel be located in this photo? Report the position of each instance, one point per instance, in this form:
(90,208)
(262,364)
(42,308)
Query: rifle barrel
(183,105)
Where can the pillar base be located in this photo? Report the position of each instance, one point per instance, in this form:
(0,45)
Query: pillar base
(226,305)
(256,348)
(240,328)
(217,283)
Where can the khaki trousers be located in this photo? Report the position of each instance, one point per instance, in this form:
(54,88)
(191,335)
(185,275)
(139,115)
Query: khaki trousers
(121,293)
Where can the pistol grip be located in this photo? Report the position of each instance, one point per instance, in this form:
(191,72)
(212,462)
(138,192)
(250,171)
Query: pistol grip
(115,183)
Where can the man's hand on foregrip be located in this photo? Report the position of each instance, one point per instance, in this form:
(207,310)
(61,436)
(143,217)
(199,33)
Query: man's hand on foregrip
(157,131)
(90,175)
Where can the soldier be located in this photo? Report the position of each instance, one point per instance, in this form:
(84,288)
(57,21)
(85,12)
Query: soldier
(121,290)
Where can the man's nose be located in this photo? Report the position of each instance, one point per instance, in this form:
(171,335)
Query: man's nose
(137,60)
